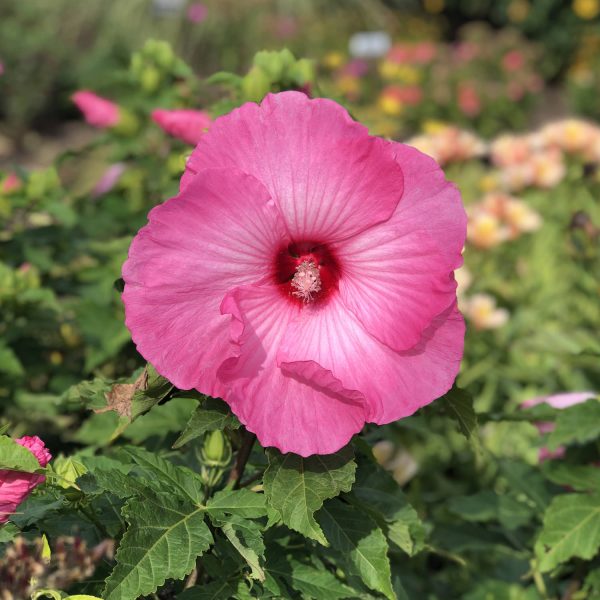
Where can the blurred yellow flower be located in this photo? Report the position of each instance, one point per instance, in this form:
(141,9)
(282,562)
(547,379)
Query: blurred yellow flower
(586,9)
(431,126)
(408,74)
(56,358)
(434,6)
(69,334)
(488,183)
(388,69)
(348,85)
(390,105)
(333,60)
(518,10)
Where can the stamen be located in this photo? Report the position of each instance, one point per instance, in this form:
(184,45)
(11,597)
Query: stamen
(306,281)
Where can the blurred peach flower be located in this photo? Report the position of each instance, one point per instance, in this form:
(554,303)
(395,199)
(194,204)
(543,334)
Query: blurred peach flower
(485,230)
(482,311)
(447,143)
(398,461)
(548,168)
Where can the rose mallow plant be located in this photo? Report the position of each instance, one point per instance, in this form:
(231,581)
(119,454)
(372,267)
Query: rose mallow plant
(15,486)
(304,274)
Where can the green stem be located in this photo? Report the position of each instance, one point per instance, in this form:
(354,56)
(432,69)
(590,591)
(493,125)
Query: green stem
(237,472)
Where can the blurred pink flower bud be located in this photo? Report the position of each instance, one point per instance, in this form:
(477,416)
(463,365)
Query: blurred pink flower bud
(186,125)
(97,111)
(513,61)
(10,183)
(108,180)
(15,486)
(468,100)
(197,12)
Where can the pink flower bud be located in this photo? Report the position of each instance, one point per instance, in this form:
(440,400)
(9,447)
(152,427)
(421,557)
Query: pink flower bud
(197,12)
(98,112)
(15,486)
(186,125)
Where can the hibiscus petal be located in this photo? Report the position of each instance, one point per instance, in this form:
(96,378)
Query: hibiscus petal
(306,411)
(430,203)
(394,384)
(395,282)
(329,178)
(220,232)
(397,275)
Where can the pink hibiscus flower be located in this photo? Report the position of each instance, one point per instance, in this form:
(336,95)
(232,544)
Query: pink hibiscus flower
(98,112)
(186,125)
(15,486)
(304,274)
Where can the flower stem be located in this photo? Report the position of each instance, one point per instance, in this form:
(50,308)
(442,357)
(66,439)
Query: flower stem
(237,472)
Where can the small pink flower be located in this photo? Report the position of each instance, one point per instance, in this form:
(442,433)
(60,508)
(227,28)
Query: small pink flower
(424,52)
(399,53)
(515,91)
(197,12)
(466,51)
(11,183)
(15,486)
(468,100)
(285,27)
(98,112)
(304,274)
(1,68)
(108,180)
(184,124)
(357,67)
(513,61)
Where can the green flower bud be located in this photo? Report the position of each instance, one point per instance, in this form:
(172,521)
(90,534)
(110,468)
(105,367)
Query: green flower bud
(216,450)
(256,85)
(128,124)
(274,64)
(302,72)
(163,54)
(150,79)
(176,163)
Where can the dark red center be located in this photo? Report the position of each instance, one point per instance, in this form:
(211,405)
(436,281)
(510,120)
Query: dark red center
(289,259)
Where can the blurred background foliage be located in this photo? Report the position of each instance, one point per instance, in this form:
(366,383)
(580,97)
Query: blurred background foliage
(61,48)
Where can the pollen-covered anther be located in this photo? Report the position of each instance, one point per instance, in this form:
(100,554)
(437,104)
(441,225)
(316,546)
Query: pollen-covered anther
(306,281)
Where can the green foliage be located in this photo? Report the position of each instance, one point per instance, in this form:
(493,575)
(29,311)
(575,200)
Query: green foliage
(164,538)
(296,487)
(361,545)
(571,528)
(579,423)
(211,415)
(459,404)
